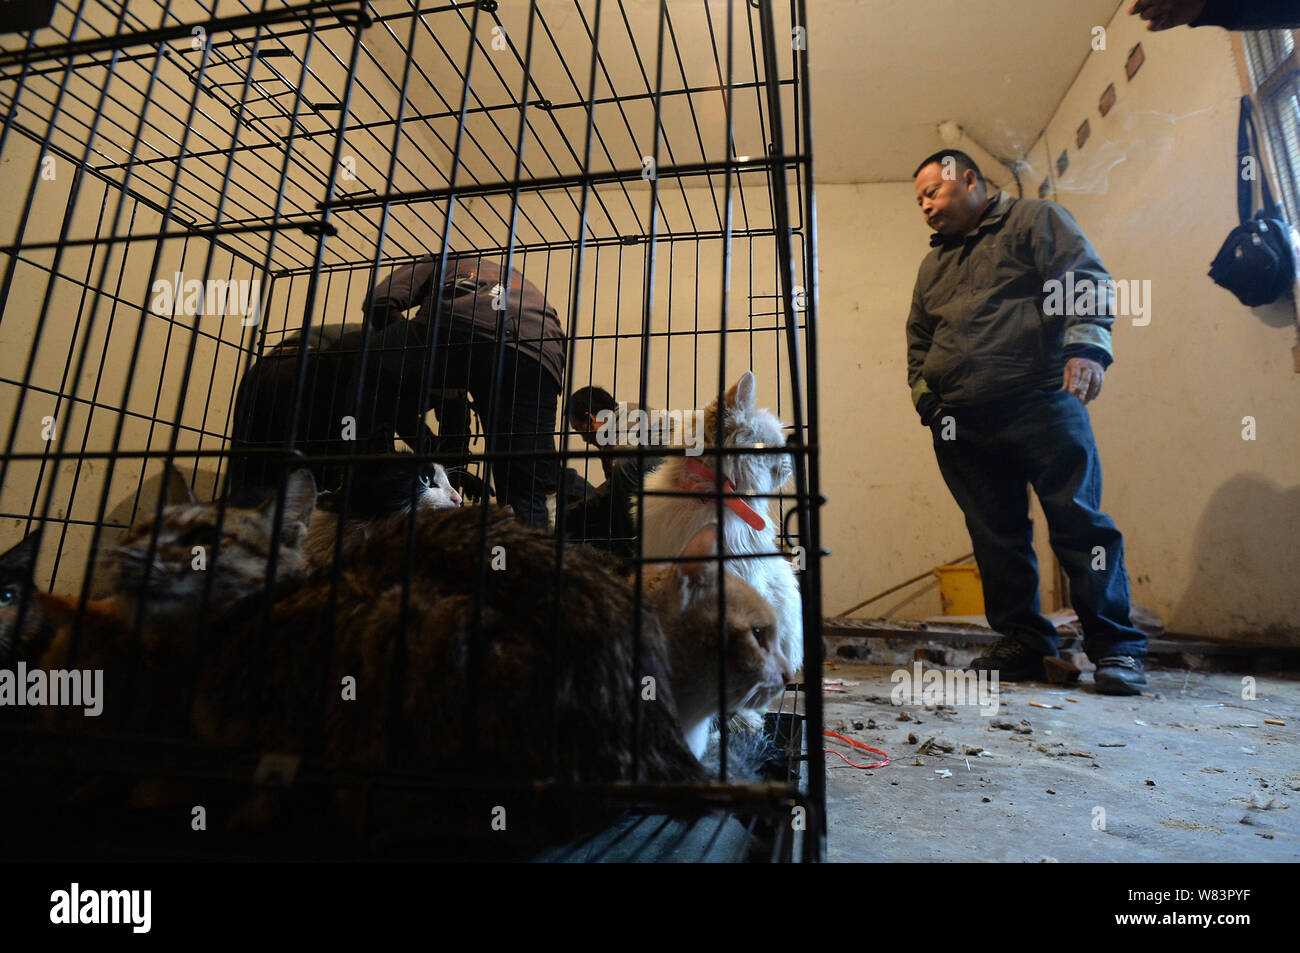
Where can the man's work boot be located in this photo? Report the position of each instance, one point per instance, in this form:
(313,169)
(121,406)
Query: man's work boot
(1119,675)
(1012,660)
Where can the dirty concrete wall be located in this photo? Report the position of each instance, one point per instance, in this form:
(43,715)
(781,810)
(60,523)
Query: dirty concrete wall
(1212,520)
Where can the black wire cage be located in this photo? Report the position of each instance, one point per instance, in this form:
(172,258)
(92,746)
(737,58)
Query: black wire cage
(196,188)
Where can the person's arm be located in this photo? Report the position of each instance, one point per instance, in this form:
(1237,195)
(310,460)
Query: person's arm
(1230,14)
(415,433)
(1250,14)
(393,401)
(920,332)
(403,288)
(1061,250)
(452,410)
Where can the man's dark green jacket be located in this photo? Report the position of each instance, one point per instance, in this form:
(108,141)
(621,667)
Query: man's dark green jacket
(985,323)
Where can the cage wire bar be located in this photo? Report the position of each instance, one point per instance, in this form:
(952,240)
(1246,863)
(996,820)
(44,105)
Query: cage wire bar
(647,165)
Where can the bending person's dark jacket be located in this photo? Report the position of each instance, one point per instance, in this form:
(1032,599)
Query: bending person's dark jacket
(978,331)
(391,401)
(469,298)
(1250,14)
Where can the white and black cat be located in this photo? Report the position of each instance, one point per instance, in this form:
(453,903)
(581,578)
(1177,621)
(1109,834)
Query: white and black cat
(376,491)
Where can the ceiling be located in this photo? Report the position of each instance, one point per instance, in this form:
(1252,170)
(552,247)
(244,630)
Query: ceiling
(264,110)
(885,73)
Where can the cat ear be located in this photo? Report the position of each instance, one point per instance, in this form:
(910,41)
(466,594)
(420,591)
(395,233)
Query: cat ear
(702,574)
(23,555)
(742,394)
(178,491)
(299,505)
(300,497)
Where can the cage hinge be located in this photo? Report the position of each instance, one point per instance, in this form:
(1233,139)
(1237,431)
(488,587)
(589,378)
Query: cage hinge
(356,18)
(319,228)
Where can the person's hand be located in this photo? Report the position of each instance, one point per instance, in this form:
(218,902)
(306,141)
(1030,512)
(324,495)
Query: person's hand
(1164,14)
(929,408)
(1083,378)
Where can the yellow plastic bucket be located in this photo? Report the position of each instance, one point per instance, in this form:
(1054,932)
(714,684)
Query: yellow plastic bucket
(961,590)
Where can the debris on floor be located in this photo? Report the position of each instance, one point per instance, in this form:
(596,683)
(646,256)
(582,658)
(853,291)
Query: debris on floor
(1131,779)
(1023,728)
(1060,671)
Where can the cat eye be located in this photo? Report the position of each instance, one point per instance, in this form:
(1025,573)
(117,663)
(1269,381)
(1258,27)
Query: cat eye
(426,480)
(762,635)
(8,596)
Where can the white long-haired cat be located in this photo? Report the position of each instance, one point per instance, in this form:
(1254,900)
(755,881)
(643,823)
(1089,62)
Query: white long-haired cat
(669,523)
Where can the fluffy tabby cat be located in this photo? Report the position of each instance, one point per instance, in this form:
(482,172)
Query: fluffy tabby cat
(590,676)
(192,552)
(168,592)
(583,691)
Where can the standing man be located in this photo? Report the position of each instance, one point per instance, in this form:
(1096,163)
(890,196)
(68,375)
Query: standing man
(1001,377)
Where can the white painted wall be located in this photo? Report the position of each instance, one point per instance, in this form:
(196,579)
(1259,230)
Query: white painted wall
(1212,521)
(890,516)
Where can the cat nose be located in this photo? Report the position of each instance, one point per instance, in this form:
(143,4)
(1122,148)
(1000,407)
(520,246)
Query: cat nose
(787,670)
(455,499)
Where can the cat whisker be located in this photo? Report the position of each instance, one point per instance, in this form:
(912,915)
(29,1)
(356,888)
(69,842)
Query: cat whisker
(751,697)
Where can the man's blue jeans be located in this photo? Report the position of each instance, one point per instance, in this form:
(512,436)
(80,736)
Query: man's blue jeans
(1043,439)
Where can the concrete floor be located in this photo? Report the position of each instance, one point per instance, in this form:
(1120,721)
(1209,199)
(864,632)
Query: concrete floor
(1200,776)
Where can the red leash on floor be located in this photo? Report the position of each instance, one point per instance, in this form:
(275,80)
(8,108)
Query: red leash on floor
(857,744)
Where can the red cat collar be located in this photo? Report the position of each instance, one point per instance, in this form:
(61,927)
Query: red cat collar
(704,478)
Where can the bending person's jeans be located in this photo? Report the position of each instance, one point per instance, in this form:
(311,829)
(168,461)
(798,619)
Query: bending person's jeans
(523,419)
